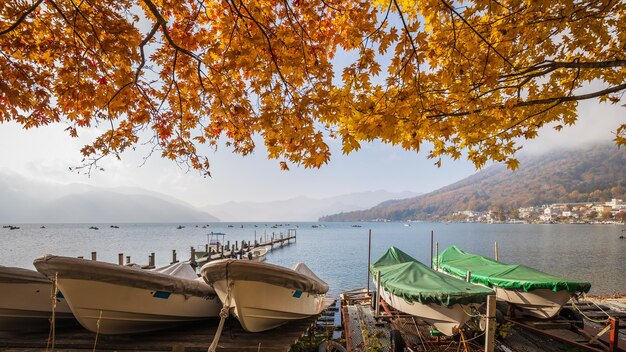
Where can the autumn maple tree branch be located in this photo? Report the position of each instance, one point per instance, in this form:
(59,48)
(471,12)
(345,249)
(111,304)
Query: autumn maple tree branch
(22,17)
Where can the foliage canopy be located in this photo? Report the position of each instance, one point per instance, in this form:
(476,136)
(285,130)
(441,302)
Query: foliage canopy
(474,76)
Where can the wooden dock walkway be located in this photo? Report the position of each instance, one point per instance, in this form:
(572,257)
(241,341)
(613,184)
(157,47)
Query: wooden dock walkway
(239,250)
(184,338)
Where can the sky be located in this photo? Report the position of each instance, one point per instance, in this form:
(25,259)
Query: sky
(47,153)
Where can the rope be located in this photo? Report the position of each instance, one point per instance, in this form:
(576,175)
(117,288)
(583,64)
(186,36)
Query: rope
(586,317)
(224,312)
(95,342)
(53,297)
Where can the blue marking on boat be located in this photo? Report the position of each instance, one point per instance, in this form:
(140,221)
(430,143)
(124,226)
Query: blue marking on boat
(161,294)
(297,293)
(60,295)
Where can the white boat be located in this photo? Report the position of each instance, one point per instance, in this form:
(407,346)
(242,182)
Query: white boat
(530,291)
(257,253)
(411,287)
(26,301)
(114,299)
(263,296)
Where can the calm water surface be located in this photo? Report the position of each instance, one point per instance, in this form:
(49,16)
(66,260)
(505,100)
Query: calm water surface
(337,252)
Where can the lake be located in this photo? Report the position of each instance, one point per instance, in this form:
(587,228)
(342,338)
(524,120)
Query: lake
(337,252)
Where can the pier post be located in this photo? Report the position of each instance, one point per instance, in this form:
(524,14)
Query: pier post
(120,258)
(490,328)
(193,255)
(228,245)
(151,260)
(93,255)
(127,259)
(206,247)
(174,260)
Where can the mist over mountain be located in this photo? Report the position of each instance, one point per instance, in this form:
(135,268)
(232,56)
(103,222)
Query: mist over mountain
(28,201)
(301,208)
(596,173)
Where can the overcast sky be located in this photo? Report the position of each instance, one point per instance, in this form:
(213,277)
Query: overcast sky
(47,153)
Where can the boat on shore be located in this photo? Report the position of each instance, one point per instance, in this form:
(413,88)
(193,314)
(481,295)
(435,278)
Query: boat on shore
(413,288)
(532,292)
(26,301)
(263,296)
(115,299)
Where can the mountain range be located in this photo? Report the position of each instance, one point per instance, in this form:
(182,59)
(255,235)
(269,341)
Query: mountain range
(24,200)
(301,208)
(595,173)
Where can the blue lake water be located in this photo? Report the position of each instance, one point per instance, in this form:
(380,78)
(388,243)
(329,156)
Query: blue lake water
(338,252)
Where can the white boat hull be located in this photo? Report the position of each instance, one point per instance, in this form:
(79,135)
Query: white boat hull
(261,306)
(123,309)
(447,320)
(27,306)
(540,303)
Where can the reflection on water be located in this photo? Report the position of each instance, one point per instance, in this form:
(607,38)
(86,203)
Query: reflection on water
(337,252)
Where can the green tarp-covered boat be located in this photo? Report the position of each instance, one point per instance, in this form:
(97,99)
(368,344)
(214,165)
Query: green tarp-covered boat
(536,292)
(416,289)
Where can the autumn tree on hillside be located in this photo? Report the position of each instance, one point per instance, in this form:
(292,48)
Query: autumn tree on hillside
(182,74)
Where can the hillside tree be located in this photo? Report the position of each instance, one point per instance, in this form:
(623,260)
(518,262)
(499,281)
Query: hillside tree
(186,75)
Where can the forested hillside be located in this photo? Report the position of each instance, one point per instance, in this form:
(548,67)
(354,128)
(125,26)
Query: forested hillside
(594,174)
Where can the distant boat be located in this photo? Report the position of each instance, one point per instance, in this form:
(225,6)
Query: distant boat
(26,303)
(264,296)
(93,228)
(115,299)
(180,227)
(413,288)
(533,292)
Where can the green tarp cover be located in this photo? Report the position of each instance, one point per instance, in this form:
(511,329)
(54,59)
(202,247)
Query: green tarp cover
(411,280)
(492,273)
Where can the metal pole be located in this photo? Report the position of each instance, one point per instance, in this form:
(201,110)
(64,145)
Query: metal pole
(497,251)
(437,256)
(468,276)
(369,258)
(490,328)
(431,248)
(378,294)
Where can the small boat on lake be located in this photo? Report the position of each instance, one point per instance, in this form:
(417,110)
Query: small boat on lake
(257,253)
(115,299)
(533,292)
(26,301)
(413,288)
(263,296)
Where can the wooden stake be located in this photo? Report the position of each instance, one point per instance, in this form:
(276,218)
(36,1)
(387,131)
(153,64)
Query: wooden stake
(120,258)
(490,328)
(497,251)
(437,256)
(93,255)
(378,294)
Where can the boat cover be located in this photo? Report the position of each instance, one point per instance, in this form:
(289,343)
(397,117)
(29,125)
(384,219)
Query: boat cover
(405,277)
(21,276)
(492,273)
(300,278)
(83,269)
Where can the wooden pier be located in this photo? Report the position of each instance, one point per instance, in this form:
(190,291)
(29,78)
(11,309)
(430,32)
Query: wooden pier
(184,338)
(237,249)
